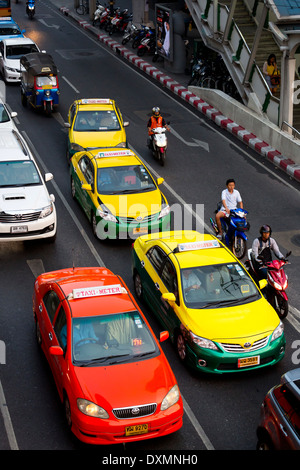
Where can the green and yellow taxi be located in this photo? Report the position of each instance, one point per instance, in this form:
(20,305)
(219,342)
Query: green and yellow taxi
(118,194)
(94,123)
(216,316)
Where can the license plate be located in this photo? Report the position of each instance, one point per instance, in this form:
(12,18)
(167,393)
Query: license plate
(136,429)
(19,229)
(140,230)
(248,361)
(46,87)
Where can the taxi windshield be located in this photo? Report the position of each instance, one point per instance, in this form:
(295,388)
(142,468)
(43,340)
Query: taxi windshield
(18,173)
(217,286)
(4,117)
(124,179)
(110,339)
(8,30)
(96,121)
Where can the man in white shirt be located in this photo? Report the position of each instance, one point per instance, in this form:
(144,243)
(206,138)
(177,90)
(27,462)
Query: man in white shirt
(231,199)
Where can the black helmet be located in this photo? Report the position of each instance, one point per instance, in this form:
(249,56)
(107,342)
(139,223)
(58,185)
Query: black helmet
(265,229)
(156,111)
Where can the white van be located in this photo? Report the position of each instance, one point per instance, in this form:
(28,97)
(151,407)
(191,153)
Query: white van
(27,211)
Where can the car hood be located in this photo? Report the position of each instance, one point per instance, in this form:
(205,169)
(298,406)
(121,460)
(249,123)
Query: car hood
(122,385)
(91,140)
(13,63)
(250,321)
(133,205)
(24,198)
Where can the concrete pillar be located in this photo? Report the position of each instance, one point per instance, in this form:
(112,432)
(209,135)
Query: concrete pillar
(140,11)
(92,8)
(229,20)
(286,91)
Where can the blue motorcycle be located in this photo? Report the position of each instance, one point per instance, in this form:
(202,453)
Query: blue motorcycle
(234,228)
(30,9)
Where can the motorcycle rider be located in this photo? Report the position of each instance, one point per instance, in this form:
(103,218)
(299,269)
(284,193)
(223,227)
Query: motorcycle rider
(156,120)
(231,199)
(262,248)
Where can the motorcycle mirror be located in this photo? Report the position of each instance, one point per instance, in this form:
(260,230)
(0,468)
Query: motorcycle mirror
(288,254)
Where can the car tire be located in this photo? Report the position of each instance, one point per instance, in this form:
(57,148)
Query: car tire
(73,189)
(138,287)
(94,224)
(67,411)
(180,346)
(38,334)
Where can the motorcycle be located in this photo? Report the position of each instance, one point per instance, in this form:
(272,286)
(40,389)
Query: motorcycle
(234,228)
(141,33)
(148,44)
(195,78)
(97,14)
(158,144)
(30,9)
(277,281)
(130,33)
(119,22)
(104,18)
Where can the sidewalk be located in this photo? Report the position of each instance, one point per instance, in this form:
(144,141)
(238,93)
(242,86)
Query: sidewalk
(176,83)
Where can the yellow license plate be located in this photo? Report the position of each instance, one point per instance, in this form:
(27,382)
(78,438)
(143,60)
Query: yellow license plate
(248,361)
(136,429)
(140,230)
(47,87)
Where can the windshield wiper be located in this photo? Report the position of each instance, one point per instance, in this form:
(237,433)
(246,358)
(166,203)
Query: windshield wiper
(100,360)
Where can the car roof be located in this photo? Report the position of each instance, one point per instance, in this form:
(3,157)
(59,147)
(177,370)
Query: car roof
(17,40)
(12,146)
(79,288)
(191,248)
(92,104)
(7,20)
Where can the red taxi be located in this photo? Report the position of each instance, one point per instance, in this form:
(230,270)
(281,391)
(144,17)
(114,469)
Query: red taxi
(110,371)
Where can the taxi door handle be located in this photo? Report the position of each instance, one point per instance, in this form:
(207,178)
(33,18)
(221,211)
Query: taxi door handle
(283,430)
(142,264)
(50,336)
(157,286)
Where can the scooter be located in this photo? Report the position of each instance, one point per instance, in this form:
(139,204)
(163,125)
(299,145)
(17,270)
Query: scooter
(130,33)
(277,282)
(97,14)
(196,72)
(119,22)
(159,144)
(104,18)
(148,44)
(234,228)
(30,9)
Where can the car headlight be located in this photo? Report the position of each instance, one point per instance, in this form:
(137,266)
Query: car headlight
(164,211)
(46,211)
(203,342)
(171,398)
(91,409)
(277,332)
(121,144)
(105,214)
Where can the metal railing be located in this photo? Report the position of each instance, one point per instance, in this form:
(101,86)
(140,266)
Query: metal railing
(295,133)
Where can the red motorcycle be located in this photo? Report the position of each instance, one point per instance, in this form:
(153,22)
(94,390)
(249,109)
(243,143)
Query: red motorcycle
(277,283)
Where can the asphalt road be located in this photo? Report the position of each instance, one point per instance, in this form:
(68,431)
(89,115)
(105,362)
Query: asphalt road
(221,412)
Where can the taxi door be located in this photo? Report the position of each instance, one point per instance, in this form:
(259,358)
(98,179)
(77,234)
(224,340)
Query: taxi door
(60,362)
(85,175)
(45,315)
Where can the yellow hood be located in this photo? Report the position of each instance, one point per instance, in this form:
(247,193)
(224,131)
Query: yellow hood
(89,140)
(133,205)
(241,322)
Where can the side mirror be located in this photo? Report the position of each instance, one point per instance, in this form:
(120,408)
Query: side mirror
(56,351)
(126,123)
(159,181)
(163,336)
(263,283)
(48,177)
(86,187)
(288,254)
(169,297)
(67,125)
(13,114)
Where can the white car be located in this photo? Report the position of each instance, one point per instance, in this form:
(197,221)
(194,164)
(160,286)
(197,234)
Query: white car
(6,118)
(27,211)
(11,51)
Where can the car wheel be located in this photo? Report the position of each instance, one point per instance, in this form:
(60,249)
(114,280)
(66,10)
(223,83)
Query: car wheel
(38,333)
(181,346)
(68,156)
(138,287)
(67,410)
(94,224)
(73,189)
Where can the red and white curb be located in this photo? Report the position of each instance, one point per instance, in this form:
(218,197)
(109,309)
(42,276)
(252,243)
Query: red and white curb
(261,147)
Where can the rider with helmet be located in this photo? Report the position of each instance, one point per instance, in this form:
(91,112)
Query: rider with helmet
(262,248)
(156,120)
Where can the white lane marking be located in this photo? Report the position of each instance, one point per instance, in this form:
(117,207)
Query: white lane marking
(36,266)
(293,318)
(70,84)
(196,143)
(7,421)
(197,425)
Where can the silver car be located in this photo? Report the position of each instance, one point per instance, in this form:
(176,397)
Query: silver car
(279,426)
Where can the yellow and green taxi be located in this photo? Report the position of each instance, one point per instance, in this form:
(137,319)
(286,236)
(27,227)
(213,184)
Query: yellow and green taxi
(118,194)
(94,123)
(217,318)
